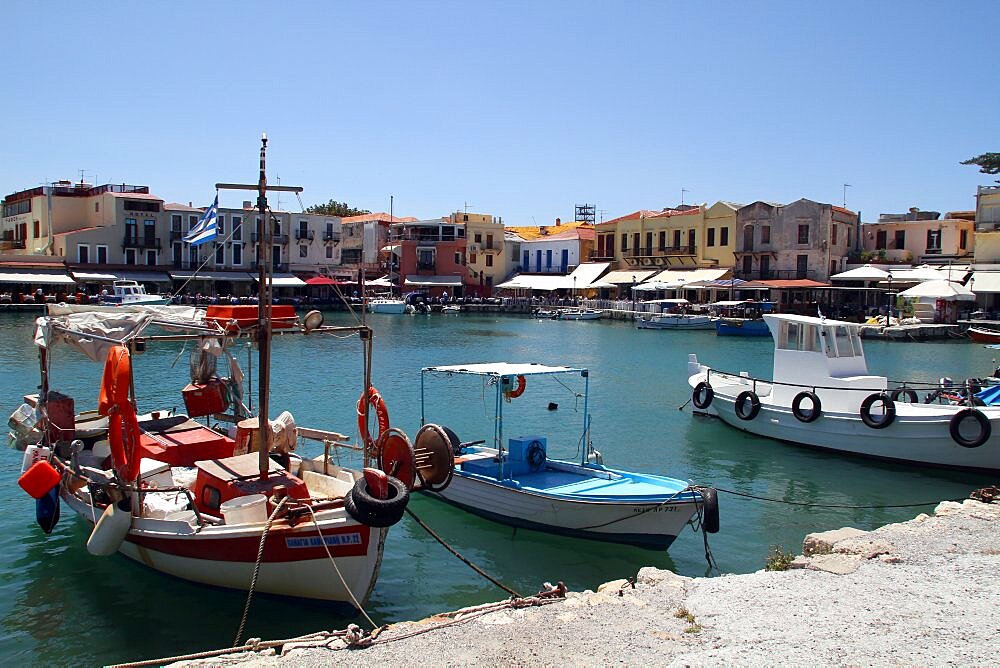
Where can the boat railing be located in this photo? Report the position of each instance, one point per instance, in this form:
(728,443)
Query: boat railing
(892,384)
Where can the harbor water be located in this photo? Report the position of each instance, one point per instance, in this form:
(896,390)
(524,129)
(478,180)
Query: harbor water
(59,605)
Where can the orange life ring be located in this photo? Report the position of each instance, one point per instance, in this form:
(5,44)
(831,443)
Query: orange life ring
(522,383)
(373,398)
(115,401)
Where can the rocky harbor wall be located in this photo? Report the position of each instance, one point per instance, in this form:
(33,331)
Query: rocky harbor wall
(918,592)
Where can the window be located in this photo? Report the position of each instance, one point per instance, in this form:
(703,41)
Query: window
(526,262)
(723,236)
(83,253)
(237,254)
(801,266)
(677,239)
(663,239)
(649,244)
(36,228)
(710,238)
(548,260)
(131,230)
(472,257)
(151,257)
(933,240)
(747,264)
(275,256)
(194,258)
(329,252)
(489,260)
(564,260)
(237,228)
(175,222)
(833,267)
(803,234)
(624,242)
(192,221)
(635,244)
(303,250)
(848,235)
(149,232)
(691,240)
(478,238)
(97,207)
(130,256)
(220,222)
(765,267)
(833,234)
(765,234)
(458,258)
(176,254)
(102,254)
(880,239)
(220,254)
(329,232)
(963,239)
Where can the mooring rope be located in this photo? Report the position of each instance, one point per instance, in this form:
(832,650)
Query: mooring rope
(256,568)
(834,505)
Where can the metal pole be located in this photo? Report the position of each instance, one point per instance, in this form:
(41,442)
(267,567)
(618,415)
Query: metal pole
(263,312)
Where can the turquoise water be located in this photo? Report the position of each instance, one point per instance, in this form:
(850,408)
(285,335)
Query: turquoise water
(59,605)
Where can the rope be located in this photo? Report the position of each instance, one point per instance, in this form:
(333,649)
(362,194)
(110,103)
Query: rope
(661,504)
(460,557)
(256,568)
(831,505)
(254,644)
(337,569)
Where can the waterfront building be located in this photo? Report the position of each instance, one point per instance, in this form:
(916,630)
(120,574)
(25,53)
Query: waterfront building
(489,258)
(432,256)
(556,251)
(918,237)
(364,245)
(800,240)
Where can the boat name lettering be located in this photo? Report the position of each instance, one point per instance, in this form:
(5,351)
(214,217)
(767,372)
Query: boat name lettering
(656,509)
(314,541)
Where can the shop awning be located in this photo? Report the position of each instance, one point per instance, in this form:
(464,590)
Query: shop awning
(689,275)
(326,280)
(621,277)
(284,281)
(143,276)
(434,281)
(85,276)
(544,282)
(36,277)
(983,282)
(588,272)
(239,276)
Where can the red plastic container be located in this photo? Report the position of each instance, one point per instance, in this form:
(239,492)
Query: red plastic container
(39,479)
(62,417)
(207,399)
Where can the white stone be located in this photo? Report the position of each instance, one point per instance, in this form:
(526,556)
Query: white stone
(838,564)
(823,541)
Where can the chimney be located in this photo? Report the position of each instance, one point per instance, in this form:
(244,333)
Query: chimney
(558,222)
(191,204)
(247,204)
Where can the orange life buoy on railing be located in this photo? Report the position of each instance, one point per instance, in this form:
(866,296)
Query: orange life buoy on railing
(518,390)
(373,398)
(115,401)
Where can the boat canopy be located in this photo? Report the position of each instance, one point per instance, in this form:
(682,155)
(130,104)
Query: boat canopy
(95,330)
(501,369)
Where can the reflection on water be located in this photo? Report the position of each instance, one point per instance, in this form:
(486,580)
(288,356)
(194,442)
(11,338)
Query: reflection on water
(60,605)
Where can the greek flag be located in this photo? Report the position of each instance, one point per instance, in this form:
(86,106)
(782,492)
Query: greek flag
(207,228)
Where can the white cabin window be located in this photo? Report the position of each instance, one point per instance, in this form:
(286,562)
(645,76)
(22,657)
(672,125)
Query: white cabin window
(845,348)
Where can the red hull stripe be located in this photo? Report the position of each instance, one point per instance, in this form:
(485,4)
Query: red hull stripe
(282,545)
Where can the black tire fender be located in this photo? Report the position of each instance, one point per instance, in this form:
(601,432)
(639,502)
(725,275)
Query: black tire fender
(710,509)
(985,428)
(866,410)
(699,401)
(911,396)
(801,415)
(365,508)
(741,400)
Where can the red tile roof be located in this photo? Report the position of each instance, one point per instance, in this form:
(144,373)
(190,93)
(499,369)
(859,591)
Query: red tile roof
(646,213)
(841,209)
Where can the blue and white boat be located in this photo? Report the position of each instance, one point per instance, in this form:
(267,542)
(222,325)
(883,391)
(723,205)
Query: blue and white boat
(515,482)
(742,318)
(131,293)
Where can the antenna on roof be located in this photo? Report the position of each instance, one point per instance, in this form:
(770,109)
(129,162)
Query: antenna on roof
(683,190)
(846,186)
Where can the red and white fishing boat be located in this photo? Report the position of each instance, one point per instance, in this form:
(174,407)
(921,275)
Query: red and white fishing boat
(234,507)
(983,335)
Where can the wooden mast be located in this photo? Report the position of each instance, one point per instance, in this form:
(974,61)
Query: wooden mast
(263,313)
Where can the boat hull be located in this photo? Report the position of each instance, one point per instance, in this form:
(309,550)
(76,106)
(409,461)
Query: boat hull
(294,562)
(393,306)
(741,327)
(919,434)
(677,322)
(983,335)
(649,524)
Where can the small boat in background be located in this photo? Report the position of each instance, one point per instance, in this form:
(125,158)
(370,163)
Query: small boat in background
(677,321)
(743,318)
(387,305)
(983,335)
(514,481)
(131,293)
(579,314)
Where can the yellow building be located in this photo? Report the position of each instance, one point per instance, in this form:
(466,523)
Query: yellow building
(485,258)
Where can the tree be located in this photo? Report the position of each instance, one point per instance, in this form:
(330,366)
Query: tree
(335,208)
(988,163)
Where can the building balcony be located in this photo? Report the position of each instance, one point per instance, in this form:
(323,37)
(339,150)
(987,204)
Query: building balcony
(594,256)
(140,242)
(304,235)
(275,238)
(281,267)
(425,266)
(331,237)
(176,235)
(18,244)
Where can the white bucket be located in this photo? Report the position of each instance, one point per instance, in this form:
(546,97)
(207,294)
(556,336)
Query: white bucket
(32,454)
(250,509)
(109,532)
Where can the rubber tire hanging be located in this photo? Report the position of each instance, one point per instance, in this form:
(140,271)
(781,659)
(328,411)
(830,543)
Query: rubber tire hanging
(985,428)
(802,416)
(365,508)
(741,400)
(866,410)
(696,396)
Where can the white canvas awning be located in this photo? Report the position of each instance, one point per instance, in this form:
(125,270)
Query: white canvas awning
(587,273)
(144,276)
(542,282)
(945,290)
(915,275)
(36,277)
(621,277)
(683,276)
(383,282)
(84,276)
(863,273)
(284,281)
(239,276)
(984,282)
(434,281)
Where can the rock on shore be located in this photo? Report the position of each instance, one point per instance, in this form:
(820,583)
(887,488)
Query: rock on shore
(920,592)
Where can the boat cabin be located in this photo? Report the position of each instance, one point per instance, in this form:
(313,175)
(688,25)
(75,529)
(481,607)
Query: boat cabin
(812,353)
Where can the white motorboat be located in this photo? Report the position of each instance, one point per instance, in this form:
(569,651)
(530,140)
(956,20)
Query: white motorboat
(386,305)
(515,482)
(676,321)
(131,293)
(579,314)
(452,309)
(822,395)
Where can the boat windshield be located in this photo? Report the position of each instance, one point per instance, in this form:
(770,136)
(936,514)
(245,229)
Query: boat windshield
(848,344)
(799,336)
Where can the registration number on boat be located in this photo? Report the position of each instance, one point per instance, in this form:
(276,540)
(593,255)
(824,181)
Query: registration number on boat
(655,509)
(314,541)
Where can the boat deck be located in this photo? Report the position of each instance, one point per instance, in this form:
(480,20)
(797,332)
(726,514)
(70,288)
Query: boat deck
(618,488)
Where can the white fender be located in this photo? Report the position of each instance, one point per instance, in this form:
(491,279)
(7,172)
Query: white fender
(110,531)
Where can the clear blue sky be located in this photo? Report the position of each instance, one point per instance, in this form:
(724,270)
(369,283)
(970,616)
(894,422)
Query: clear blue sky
(517,109)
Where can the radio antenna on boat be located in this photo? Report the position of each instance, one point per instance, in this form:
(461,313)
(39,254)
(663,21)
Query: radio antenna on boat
(264,291)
